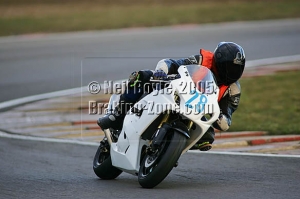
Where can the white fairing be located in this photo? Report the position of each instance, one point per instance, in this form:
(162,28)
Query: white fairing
(194,104)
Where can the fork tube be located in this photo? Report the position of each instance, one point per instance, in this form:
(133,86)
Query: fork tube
(108,136)
(189,125)
(165,119)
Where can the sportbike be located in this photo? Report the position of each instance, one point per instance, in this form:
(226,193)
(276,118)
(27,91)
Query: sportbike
(153,139)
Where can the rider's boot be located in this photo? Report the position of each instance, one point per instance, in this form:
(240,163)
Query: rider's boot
(115,118)
(205,143)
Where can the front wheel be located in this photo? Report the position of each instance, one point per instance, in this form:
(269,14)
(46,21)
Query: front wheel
(156,166)
(102,164)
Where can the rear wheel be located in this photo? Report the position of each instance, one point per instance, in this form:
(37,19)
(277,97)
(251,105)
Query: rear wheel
(102,164)
(157,165)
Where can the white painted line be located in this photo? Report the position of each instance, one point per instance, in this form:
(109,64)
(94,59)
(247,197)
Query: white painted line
(274,60)
(31,138)
(22,137)
(245,154)
(33,98)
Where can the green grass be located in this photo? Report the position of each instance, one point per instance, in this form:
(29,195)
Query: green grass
(269,103)
(37,16)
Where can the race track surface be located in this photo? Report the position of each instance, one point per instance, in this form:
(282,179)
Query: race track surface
(31,169)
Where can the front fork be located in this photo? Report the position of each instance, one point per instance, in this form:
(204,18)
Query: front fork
(157,138)
(163,128)
(107,134)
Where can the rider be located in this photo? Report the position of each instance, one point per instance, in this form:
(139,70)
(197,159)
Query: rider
(227,63)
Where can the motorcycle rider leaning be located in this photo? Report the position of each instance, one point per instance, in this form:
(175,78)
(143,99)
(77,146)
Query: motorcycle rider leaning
(227,63)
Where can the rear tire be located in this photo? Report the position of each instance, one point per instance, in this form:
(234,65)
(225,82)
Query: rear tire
(102,164)
(155,167)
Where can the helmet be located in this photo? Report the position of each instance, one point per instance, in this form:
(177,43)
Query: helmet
(229,61)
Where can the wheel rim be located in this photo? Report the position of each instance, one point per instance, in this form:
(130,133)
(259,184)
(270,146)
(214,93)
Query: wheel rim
(151,160)
(101,158)
(149,164)
(101,155)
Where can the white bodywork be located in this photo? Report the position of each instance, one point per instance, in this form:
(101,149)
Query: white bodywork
(126,152)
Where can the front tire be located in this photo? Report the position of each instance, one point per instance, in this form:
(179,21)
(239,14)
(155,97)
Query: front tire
(102,164)
(155,167)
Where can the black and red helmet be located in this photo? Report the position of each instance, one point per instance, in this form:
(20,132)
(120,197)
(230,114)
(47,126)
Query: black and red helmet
(230,61)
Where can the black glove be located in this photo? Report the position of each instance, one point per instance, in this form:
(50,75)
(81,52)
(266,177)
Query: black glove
(139,78)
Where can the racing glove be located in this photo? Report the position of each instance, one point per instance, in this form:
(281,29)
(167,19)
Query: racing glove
(160,75)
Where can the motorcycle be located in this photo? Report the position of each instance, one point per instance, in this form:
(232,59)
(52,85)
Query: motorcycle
(160,127)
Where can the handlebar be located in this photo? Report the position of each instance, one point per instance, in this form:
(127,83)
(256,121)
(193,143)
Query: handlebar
(169,78)
(159,84)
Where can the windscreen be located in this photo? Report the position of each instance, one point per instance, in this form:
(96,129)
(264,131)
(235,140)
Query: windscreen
(203,78)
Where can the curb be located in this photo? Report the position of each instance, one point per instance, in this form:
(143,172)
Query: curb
(272,140)
(256,141)
(222,135)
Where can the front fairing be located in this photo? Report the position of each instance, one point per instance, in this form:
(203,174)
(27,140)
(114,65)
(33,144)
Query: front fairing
(198,93)
(197,90)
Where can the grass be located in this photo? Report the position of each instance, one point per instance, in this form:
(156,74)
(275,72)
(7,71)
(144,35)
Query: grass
(269,103)
(37,16)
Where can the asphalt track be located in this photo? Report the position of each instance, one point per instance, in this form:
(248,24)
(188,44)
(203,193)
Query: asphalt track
(31,169)
(42,63)
(35,64)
